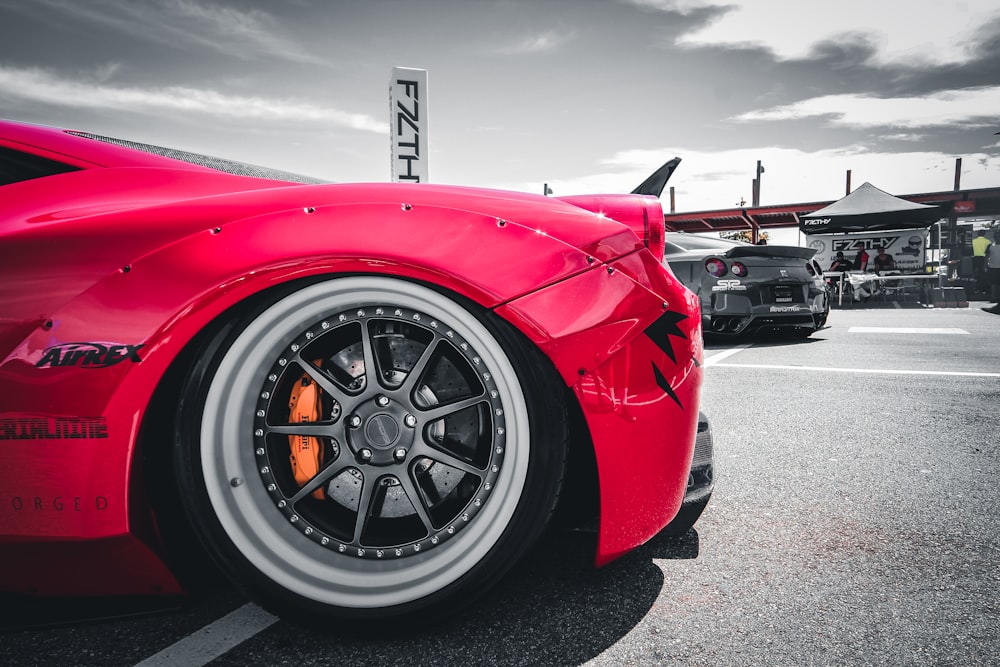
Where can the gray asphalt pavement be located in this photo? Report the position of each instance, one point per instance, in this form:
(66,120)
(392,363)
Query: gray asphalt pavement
(854,522)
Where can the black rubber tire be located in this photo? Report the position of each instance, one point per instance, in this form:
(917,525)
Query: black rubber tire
(313,560)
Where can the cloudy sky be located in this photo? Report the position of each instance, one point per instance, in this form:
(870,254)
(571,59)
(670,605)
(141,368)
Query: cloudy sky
(586,95)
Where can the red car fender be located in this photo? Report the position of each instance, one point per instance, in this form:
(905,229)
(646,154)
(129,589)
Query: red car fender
(637,381)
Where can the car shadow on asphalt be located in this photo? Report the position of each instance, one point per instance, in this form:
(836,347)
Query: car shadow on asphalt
(766,340)
(554,607)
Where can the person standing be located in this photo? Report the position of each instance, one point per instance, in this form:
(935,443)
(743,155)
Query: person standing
(861,261)
(979,246)
(993,273)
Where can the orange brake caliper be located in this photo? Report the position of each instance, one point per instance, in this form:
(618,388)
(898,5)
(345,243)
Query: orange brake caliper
(306,450)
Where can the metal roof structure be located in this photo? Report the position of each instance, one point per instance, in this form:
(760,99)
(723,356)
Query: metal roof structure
(954,204)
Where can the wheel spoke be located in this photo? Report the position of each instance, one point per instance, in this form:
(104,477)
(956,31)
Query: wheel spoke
(311,429)
(442,411)
(378,498)
(369,488)
(410,384)
(323,380)
(441,456)
(368,354)
(324,475)
(416,499)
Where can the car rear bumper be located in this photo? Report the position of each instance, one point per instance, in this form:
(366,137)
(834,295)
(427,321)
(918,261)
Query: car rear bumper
(701,480)
(770,317)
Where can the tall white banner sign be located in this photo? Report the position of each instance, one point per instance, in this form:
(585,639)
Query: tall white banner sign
(408,124)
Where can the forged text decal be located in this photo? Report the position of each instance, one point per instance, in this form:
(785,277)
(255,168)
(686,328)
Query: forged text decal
(53,428)
(54,504)
(785,309)
(89,355)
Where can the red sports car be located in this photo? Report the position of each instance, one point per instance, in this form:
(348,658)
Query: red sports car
(363,400)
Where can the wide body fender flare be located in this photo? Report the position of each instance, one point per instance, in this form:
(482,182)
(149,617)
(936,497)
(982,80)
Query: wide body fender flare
(637,380)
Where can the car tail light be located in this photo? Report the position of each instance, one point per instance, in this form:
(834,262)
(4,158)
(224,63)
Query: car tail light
(655,236)
(739,269)
(716,267)
(810,270)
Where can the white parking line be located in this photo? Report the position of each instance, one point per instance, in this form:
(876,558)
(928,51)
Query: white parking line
(214,639)
(725,354)
(907,330)
(876,371)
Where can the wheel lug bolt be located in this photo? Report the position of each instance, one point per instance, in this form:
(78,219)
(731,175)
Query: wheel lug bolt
(354,421)
(382,401)
(400,454)
(365,454)
(410,420)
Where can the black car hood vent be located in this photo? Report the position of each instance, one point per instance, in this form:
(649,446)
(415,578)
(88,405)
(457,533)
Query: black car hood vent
(219,164)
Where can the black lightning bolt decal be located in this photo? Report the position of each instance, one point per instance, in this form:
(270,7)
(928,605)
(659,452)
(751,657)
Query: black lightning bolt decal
(659,332)
(664,327)
(662,383)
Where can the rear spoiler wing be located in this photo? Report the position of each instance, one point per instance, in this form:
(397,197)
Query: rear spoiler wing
(655,183)
(786,251)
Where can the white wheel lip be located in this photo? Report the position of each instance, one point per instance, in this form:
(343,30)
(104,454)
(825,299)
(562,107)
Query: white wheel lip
(247,514)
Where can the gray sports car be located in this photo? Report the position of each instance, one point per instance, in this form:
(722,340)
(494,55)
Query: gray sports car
(750,289)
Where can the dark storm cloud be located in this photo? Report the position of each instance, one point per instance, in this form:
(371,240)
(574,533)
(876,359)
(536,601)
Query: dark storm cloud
(683,16)
(845,69)
(982,69)
(849,51)
(241,33)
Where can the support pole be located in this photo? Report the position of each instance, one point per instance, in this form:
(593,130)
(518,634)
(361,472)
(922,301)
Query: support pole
(756,185)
